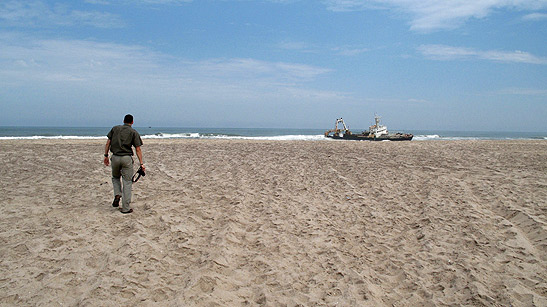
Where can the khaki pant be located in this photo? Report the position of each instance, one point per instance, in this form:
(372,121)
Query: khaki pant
(122,166)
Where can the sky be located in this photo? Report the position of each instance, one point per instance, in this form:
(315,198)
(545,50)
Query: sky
(464,65)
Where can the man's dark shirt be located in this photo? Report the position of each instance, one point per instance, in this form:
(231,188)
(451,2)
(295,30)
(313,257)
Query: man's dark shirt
(121,138)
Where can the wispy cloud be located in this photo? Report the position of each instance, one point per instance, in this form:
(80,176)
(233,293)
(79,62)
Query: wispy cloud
(118,68)
(41,14)
(349,51)
(353,5)
(522,92)
(297,46)
(414,101)
(430,15)
(160,1)
(104,2)
(251,69)
(443,52)
(125,2)
(305,47)
(535,16)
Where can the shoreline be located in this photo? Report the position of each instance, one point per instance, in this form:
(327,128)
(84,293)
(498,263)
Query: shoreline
(167,140)
(234,222)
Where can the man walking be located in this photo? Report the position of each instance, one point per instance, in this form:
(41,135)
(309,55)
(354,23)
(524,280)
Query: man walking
(120,141)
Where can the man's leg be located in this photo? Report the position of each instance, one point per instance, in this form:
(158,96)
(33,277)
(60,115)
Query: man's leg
(127,173)
(116,174)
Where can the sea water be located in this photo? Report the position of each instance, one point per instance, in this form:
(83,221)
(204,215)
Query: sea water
(10,133)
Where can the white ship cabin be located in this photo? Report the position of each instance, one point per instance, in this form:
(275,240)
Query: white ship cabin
(377,129)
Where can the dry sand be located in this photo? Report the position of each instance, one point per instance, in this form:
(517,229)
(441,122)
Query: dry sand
(277,223)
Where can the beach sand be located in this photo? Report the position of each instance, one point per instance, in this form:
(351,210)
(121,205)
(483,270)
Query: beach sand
(276,223)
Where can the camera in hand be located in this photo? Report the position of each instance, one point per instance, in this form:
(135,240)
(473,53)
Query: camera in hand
(140,173)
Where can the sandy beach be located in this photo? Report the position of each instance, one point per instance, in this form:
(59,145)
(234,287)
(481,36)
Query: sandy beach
(276,223)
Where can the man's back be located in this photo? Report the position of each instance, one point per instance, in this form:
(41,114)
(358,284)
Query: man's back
(123,137)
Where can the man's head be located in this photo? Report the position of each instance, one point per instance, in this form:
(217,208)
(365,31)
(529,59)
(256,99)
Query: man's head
(128,119)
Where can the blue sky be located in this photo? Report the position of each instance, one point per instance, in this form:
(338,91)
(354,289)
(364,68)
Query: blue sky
(420,64)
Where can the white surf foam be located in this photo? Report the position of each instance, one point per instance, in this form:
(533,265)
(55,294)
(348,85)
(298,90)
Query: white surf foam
(59,137)
(426,137)
(192,135)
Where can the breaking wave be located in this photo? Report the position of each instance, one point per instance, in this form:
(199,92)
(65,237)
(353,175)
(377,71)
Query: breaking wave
(48,137)
(234,137)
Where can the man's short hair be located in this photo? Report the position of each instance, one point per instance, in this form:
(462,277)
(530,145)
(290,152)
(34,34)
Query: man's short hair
(128,119)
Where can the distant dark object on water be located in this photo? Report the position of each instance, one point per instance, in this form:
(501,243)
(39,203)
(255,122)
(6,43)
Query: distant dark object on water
(375,132)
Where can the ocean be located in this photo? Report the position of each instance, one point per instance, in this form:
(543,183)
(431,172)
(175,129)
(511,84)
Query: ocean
(11,133)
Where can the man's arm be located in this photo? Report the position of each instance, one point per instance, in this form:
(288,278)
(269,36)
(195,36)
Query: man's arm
(106,149)
(139,155)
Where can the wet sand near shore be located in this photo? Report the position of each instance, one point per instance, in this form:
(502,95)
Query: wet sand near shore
(277,223)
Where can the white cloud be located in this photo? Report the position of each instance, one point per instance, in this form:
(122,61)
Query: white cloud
(39,14)
(348,51)
(298,46)
(392,101)
(535,16)
(160,1)
(309,48)
(104,2)
(251,69)
(353,5)
(443,52)
(122,69)
(125,2)
(523,92)
(429,15)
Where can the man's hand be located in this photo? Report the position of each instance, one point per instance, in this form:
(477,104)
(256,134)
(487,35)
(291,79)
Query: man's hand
(106,148)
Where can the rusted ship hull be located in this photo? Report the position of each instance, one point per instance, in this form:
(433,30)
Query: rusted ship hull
(362,137)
